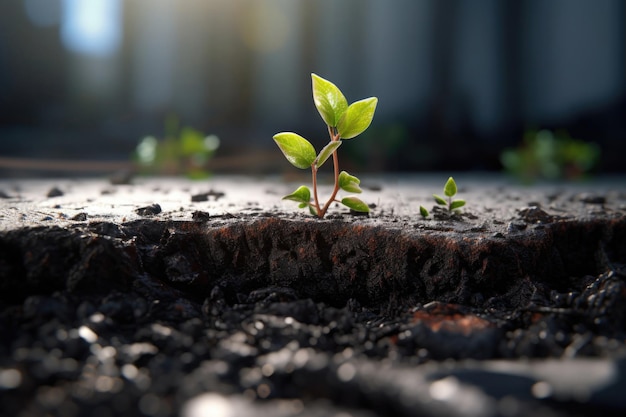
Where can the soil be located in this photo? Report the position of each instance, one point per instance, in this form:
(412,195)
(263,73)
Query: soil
(170,297)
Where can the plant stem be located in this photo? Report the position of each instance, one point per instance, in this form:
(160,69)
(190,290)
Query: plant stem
(321,213)
(317,203)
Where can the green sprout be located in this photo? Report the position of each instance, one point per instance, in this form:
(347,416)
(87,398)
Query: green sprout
(182,151)
(449,191)
(424,212)
(550,155)
(344,122)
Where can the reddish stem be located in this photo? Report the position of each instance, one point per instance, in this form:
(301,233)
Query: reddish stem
(317,203)
(334,136)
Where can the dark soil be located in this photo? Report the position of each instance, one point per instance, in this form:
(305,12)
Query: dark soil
(164,298)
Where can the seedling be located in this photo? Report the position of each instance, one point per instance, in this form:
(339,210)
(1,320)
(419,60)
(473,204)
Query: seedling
(424,212)
(181,151)
(343,122)
(449,191)
(550,155)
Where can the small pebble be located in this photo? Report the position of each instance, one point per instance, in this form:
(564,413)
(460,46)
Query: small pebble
(80,217)
(205,196)
(515,227)
(592,199)
(200,216)
(150,210)
(54,192)
(534,214)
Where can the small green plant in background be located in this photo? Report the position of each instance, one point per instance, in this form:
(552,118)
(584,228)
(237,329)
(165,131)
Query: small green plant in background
(550,155)
(343,122)
(449,190)
(183,151)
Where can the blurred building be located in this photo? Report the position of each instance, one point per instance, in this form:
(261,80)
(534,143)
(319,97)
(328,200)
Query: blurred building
(457,80)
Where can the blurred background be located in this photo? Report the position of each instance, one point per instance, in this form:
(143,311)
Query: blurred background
(460,82)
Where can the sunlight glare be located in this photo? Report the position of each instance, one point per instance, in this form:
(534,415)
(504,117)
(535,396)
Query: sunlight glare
(92,27)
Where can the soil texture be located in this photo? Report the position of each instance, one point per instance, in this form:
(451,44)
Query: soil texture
(170,297)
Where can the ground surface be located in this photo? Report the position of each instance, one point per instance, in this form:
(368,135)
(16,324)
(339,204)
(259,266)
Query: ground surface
(168,297)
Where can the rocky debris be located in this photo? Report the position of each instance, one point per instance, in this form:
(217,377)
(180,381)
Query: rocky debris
(155,352)
(516,226)
(592,198)
(80,217)
(216,195)
(200,216)
(257,311)
(150,210)
(55,192)
(121,178)
(534,214)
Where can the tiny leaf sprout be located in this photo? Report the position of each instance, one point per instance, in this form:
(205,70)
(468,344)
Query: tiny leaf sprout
(449,190)
(424,212)
(343,121)
(182,150)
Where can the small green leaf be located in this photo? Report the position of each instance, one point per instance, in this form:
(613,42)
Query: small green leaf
(357,117)
(192,141)
(327,151)
(349,183)
(423,211)
(450,188)
(312,210)
(329,100)
(440,200)
(301,195)
(303,205)
(355,204)
(298,151)
(456,204)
